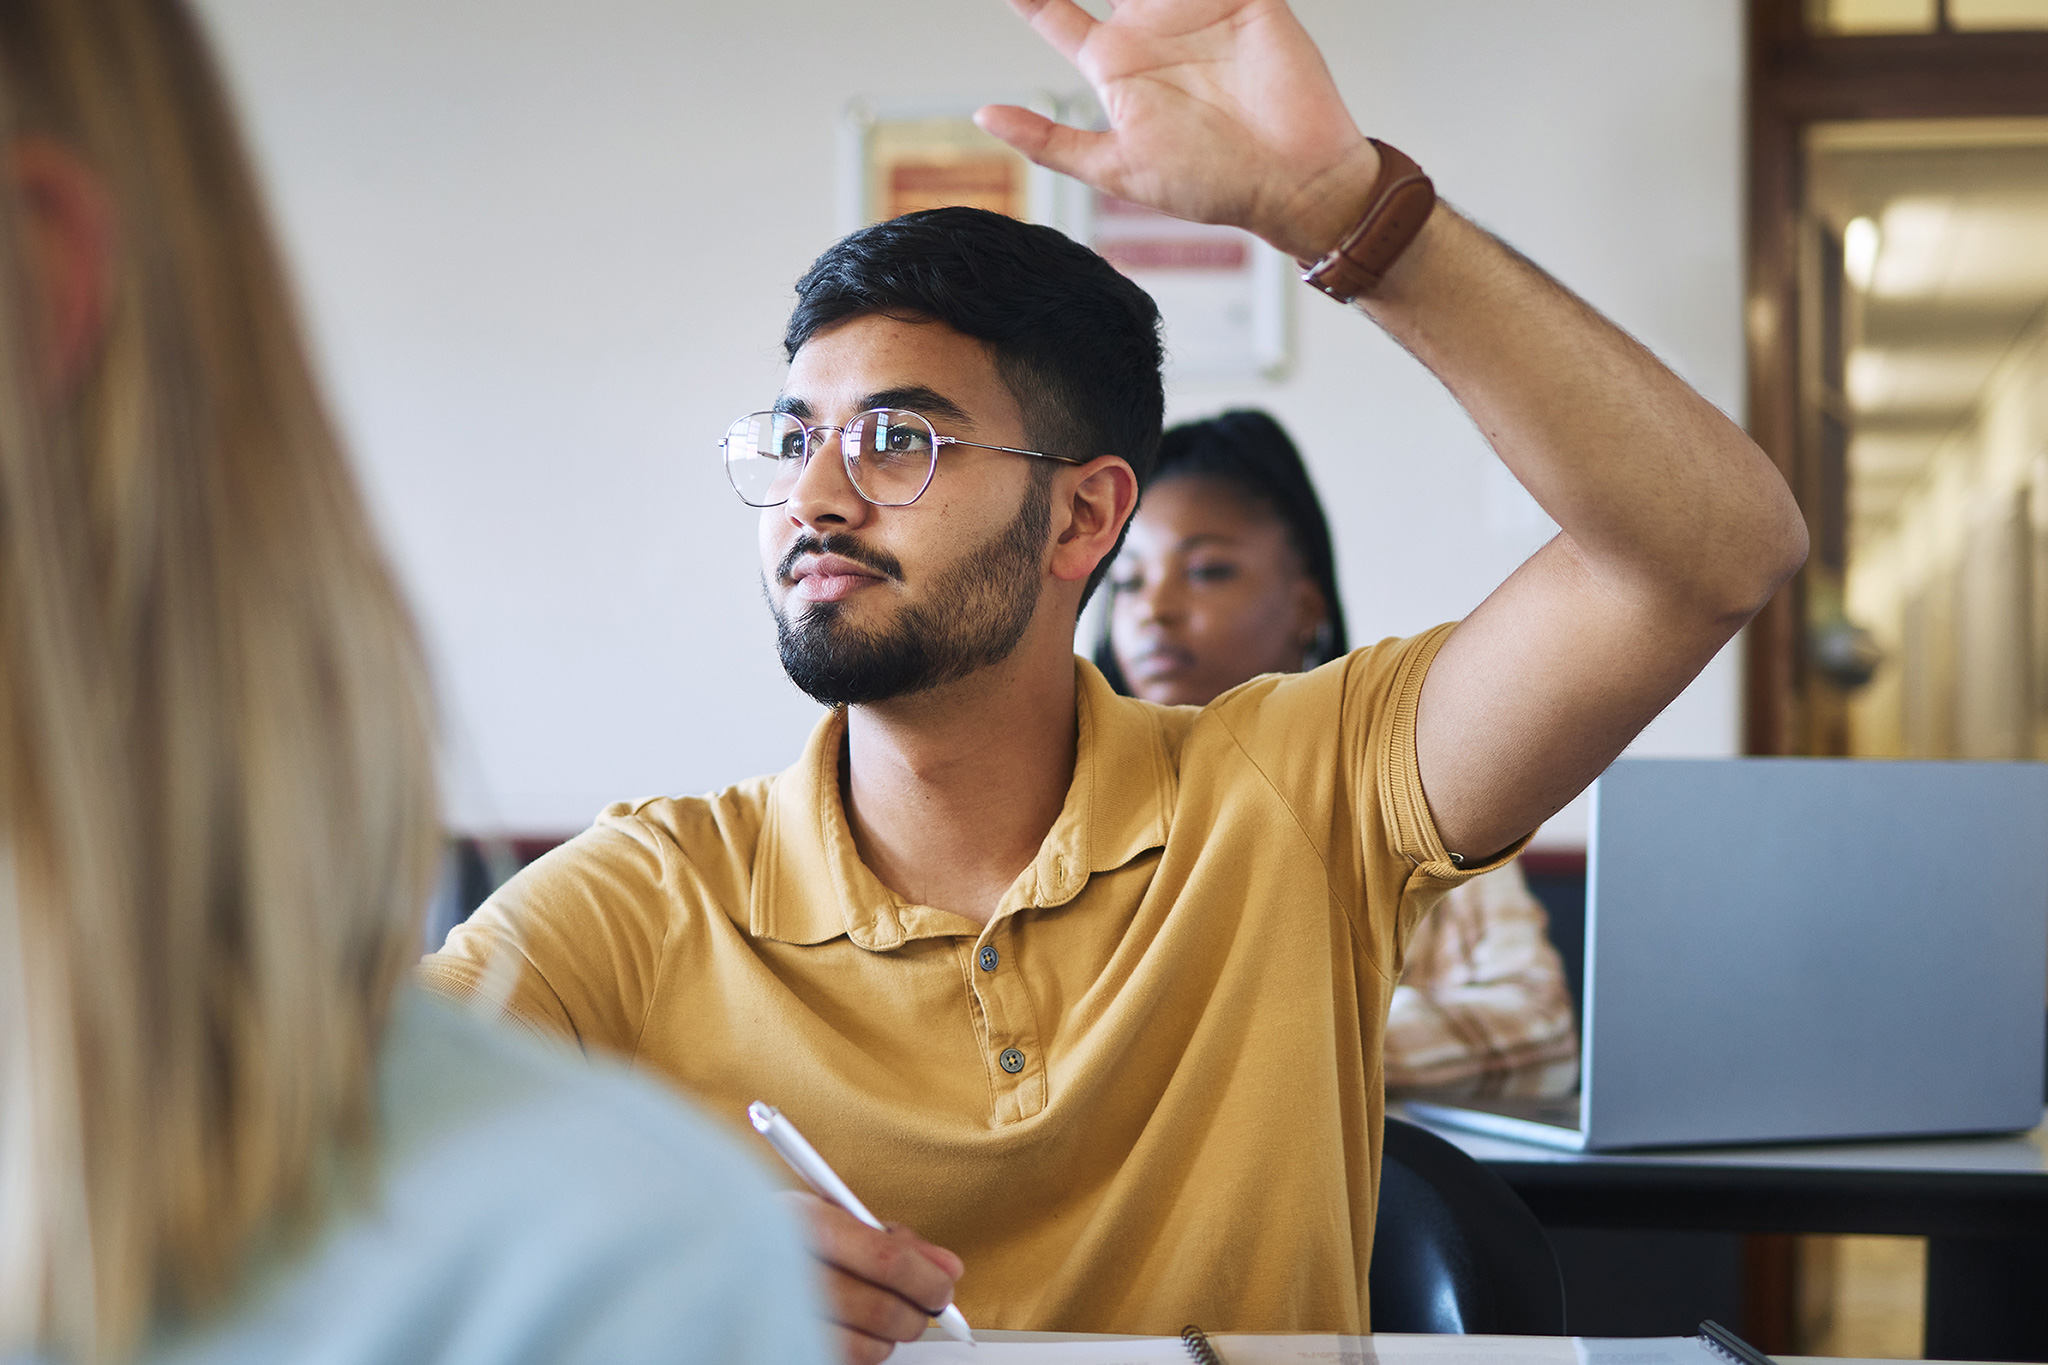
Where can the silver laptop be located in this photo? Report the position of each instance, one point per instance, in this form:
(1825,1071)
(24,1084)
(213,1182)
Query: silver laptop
(1788,950)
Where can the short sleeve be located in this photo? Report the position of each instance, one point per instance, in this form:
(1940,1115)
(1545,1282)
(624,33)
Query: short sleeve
(1396,776)
(1338,744)
(571,946)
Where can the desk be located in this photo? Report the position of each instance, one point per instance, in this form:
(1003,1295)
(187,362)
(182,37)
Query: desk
(1982,1203)
(934,1334)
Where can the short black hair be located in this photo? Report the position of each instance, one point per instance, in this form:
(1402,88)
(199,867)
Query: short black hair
(1075,341)
(1249,451)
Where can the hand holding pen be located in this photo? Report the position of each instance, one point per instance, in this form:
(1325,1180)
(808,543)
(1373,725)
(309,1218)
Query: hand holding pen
(881,1283)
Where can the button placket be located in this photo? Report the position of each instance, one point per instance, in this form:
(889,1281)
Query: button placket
(1016,1073)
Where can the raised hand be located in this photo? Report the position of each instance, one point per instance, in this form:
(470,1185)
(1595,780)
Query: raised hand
(1220,111)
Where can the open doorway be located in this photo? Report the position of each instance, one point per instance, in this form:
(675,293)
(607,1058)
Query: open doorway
(1928,250)
(1931,112)
(1898,272)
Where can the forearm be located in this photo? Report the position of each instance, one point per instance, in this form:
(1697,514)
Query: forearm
(1223,111)
(1676,527)
(1657,491)
(1676,530)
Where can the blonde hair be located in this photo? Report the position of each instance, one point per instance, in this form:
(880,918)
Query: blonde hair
(217,807)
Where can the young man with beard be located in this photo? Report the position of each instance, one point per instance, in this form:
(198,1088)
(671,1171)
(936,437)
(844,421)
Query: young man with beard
(1087,990)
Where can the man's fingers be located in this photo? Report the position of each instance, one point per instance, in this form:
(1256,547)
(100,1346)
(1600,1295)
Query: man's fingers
(1070,151)
(896,1263)
(1023,129)
(944,1259)
(890,1261)
(858,1348)
(1062,23)
(862,1307)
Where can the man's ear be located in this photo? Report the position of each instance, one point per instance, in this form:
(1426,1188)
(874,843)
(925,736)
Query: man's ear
(68,237)
(1094,502)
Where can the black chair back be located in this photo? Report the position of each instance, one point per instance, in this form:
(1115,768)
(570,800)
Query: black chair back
(1456,1250)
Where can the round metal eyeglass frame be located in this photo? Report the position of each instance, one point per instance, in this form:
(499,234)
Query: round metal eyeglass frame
(756,472)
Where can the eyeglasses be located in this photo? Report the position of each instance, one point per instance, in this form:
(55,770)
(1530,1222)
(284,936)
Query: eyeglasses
(889,454)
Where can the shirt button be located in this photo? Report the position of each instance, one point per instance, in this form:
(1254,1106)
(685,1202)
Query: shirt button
(1012,1060)
(989,958)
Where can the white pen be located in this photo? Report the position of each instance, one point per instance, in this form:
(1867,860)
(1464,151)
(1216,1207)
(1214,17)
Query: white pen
(803,1158)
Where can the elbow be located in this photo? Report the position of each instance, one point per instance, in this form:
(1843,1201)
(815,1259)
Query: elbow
(1770,562)
(1787,549)
(1793,555)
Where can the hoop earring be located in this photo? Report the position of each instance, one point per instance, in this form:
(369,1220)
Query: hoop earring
(1317,652)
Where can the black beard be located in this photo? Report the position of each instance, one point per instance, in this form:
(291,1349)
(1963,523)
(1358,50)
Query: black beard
(972,617)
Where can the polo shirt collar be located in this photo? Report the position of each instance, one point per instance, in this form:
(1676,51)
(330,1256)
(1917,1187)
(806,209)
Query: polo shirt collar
(810,885)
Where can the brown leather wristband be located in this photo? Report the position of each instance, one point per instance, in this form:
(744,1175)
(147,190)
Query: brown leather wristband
(1402,198)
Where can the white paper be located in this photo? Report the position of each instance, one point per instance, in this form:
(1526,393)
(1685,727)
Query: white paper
(1386,1348)
(1146,1351)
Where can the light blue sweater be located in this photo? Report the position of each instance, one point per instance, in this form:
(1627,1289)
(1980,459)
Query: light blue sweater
(531,1207)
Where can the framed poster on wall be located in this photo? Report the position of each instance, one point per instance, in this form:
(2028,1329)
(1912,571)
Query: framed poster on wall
(1221,291)
(899,158)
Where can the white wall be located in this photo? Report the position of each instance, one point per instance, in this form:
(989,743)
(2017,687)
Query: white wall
(546,251)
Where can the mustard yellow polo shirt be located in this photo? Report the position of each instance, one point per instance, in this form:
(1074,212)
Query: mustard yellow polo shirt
(1148,1093)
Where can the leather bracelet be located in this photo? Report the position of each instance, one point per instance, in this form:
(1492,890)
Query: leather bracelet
(1402,198)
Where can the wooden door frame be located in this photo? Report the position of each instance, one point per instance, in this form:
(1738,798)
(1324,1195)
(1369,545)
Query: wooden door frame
(1797,79)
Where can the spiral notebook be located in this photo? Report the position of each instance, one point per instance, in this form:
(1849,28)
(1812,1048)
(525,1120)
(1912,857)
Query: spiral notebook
(1714,1346)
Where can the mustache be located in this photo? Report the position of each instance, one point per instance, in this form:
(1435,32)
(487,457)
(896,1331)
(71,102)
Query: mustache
(846,547)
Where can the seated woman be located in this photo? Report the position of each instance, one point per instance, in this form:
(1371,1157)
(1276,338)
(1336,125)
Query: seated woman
(1228,573)
(227,1132)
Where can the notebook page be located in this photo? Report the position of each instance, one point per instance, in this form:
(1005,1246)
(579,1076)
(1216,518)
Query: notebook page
(1311,1349)
(1387,1348)
(1137,1351)
(1392,1348)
